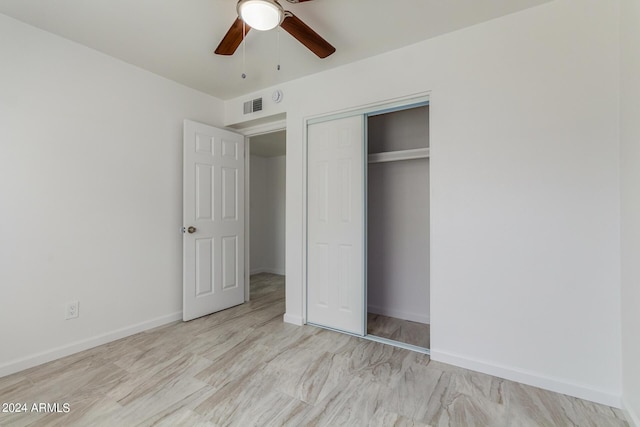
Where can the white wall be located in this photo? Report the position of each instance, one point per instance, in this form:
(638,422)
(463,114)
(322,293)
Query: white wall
(258,220)
(525,266)
(267,214)
(276,175)
(630,184)
(90,195)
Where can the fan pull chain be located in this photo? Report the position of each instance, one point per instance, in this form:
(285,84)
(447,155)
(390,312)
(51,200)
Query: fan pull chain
(244,43)
(278,67)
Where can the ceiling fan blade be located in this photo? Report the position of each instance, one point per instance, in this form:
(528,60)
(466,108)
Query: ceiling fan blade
(305,35)
(232,39)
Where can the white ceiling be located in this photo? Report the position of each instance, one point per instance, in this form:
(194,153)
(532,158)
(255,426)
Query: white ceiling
(176,38)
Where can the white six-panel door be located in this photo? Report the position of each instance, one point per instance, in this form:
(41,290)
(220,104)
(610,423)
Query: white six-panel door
(213,239)
(335,224)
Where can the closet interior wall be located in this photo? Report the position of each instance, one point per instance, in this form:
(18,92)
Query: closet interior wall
(398,215)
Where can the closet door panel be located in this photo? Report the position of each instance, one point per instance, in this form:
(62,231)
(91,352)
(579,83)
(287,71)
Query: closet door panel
(335,220)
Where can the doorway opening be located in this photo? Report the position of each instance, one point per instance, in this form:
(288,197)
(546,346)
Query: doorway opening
(266,208)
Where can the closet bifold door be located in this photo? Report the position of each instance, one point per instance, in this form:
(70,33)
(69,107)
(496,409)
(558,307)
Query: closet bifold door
(335,224)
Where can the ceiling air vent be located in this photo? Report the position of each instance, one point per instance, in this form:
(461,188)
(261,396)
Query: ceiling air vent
(253,106)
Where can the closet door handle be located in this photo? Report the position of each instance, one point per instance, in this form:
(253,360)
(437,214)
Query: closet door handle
(191,229)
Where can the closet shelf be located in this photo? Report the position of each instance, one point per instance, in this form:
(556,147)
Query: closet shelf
(393,156)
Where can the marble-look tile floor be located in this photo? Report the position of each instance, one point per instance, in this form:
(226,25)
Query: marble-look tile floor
(404,331)
(245,367)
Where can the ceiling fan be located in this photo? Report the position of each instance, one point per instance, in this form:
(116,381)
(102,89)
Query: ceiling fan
(265,15)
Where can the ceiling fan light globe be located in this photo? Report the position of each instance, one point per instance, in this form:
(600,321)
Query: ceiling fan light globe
(261,15)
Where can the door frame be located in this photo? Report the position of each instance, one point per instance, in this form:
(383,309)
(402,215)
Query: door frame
(249,132)
(381,107)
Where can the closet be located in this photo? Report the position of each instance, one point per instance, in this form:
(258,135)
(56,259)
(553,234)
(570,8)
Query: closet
(367,251)
(398,226)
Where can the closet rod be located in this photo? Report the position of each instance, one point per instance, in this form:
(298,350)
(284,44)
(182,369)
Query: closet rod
(394,156)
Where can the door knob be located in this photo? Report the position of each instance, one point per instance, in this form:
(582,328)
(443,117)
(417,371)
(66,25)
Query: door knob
(191,229)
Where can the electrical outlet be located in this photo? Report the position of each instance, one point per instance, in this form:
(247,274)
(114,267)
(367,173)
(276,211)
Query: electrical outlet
(73,310)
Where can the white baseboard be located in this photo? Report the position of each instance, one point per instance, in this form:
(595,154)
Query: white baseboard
(78,346)
(530,378)
(632,416)
(293,319)
(267,270)
(399,314)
